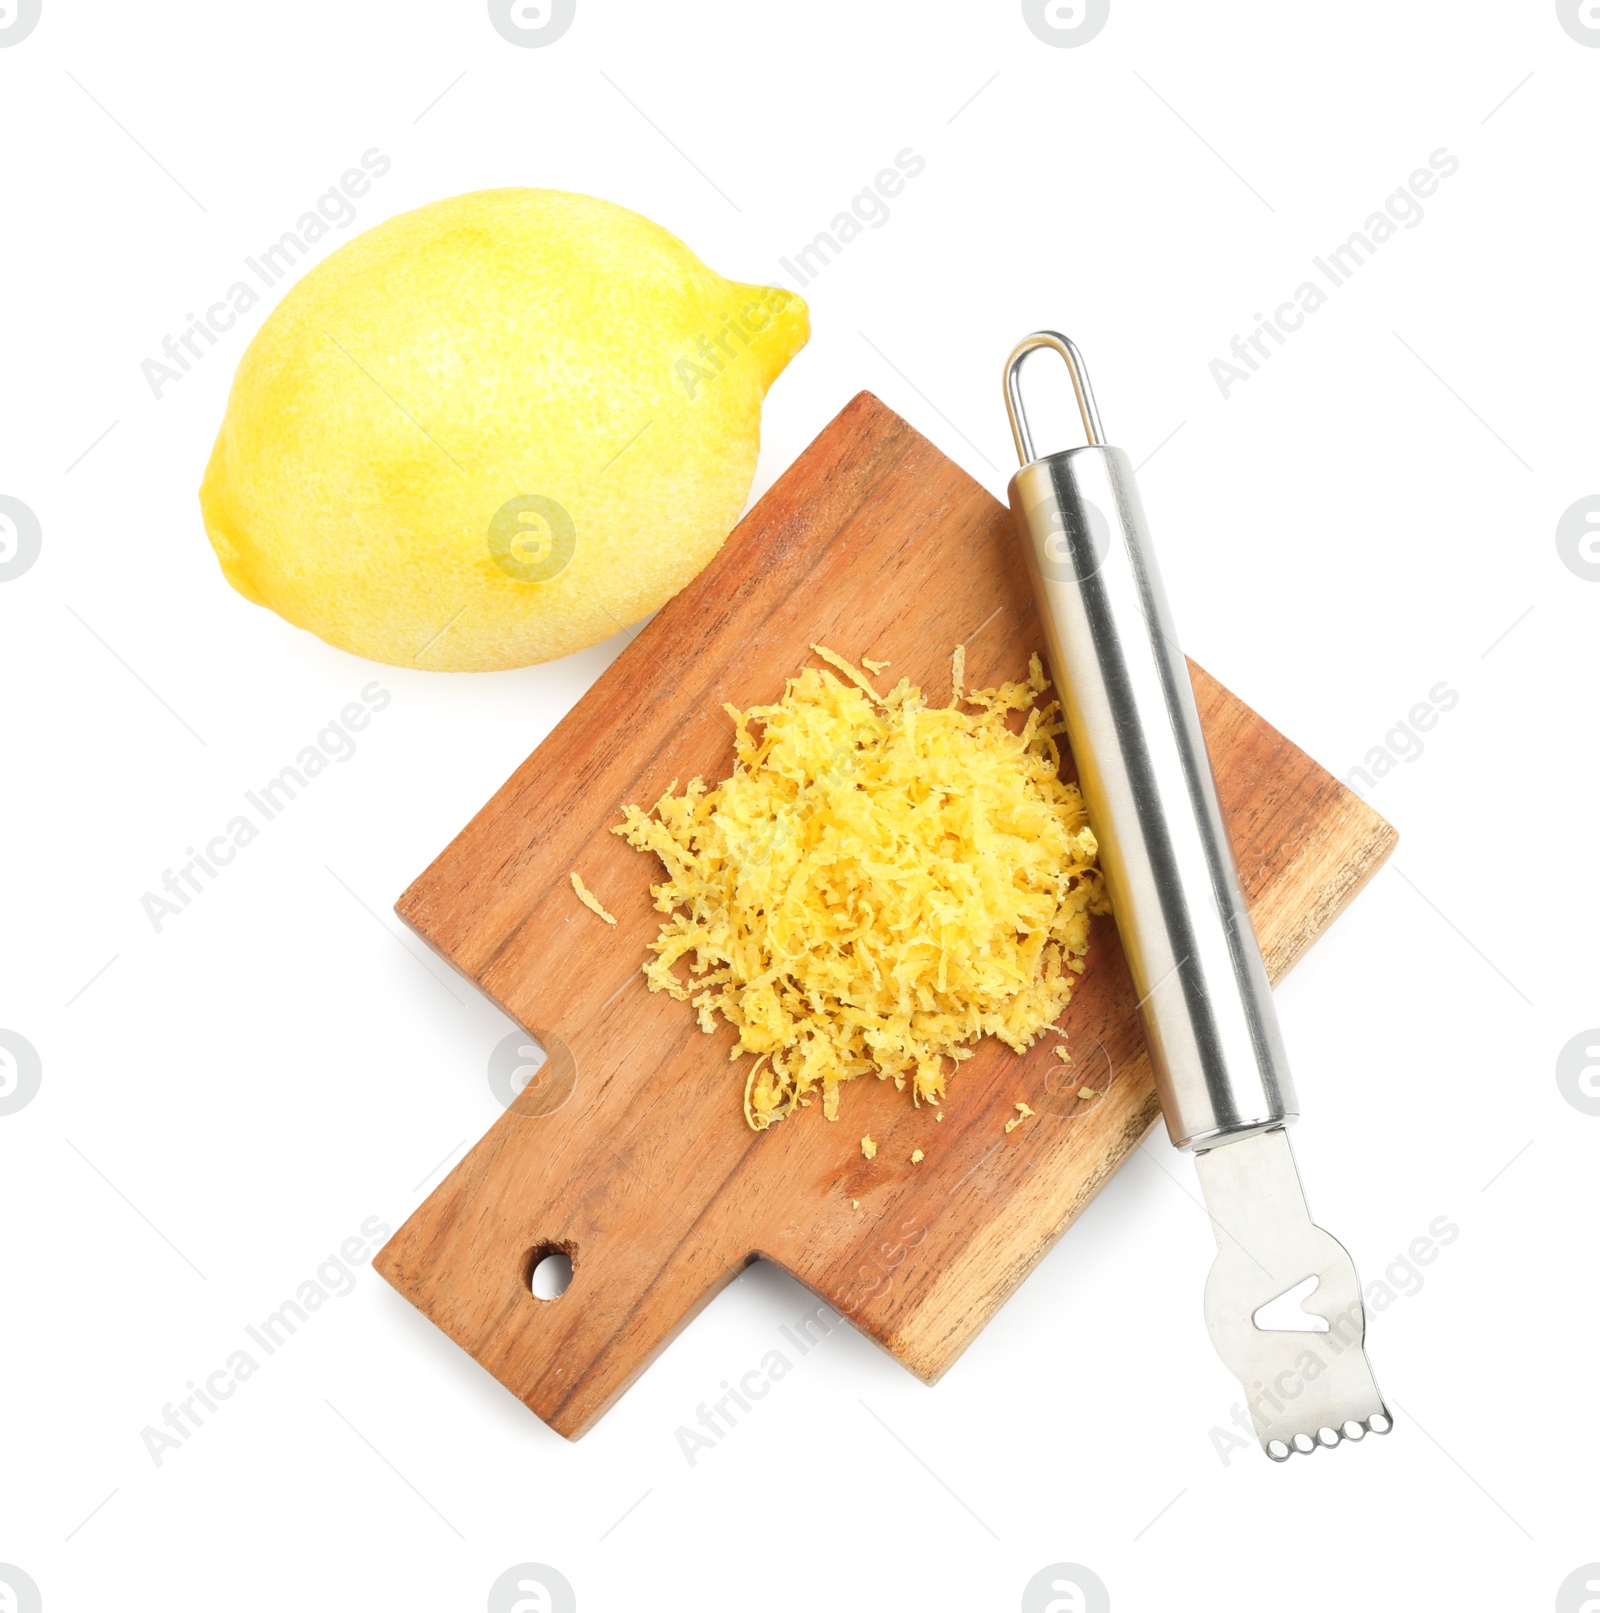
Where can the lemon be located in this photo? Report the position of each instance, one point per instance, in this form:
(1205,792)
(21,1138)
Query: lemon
(493,431)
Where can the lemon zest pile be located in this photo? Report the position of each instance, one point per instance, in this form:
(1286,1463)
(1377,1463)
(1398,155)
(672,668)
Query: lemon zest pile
(877,885)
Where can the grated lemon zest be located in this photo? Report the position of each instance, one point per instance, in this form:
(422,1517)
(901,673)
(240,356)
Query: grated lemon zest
(1023,1113)
(877,885)
(834,659)
(588,897)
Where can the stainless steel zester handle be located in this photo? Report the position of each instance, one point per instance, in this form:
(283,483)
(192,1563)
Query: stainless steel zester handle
(1131,721)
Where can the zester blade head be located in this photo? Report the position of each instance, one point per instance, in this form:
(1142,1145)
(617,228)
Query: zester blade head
(1304,1387)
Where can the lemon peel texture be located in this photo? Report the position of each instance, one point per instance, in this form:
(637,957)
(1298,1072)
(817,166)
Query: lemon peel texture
(493,431)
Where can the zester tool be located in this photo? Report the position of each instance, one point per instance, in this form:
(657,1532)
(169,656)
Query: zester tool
(1208,1014)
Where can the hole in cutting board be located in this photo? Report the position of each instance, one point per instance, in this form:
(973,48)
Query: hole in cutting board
(549,1271)
(1284,1314)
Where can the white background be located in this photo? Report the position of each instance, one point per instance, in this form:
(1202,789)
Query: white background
(1371,514)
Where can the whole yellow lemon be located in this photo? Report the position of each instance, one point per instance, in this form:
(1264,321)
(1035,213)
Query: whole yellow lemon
(493,431)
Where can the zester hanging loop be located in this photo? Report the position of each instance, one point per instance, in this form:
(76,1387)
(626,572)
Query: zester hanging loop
(1073,359)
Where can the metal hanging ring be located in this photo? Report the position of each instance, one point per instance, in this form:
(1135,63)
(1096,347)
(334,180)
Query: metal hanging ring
(1073,359)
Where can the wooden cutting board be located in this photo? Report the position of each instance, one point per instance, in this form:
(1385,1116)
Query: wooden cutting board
(629,1151)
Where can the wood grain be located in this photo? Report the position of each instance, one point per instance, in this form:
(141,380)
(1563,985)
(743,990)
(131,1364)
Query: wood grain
(630,1151)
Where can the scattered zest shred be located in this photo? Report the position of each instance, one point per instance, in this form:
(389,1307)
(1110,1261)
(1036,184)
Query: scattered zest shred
(877,885)
(588,897)
(836,660)
(1023,1113)
(758,1119)
(874,667)
(1063,1054)
(917,1156)
(869,1149)
(1085,1093)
